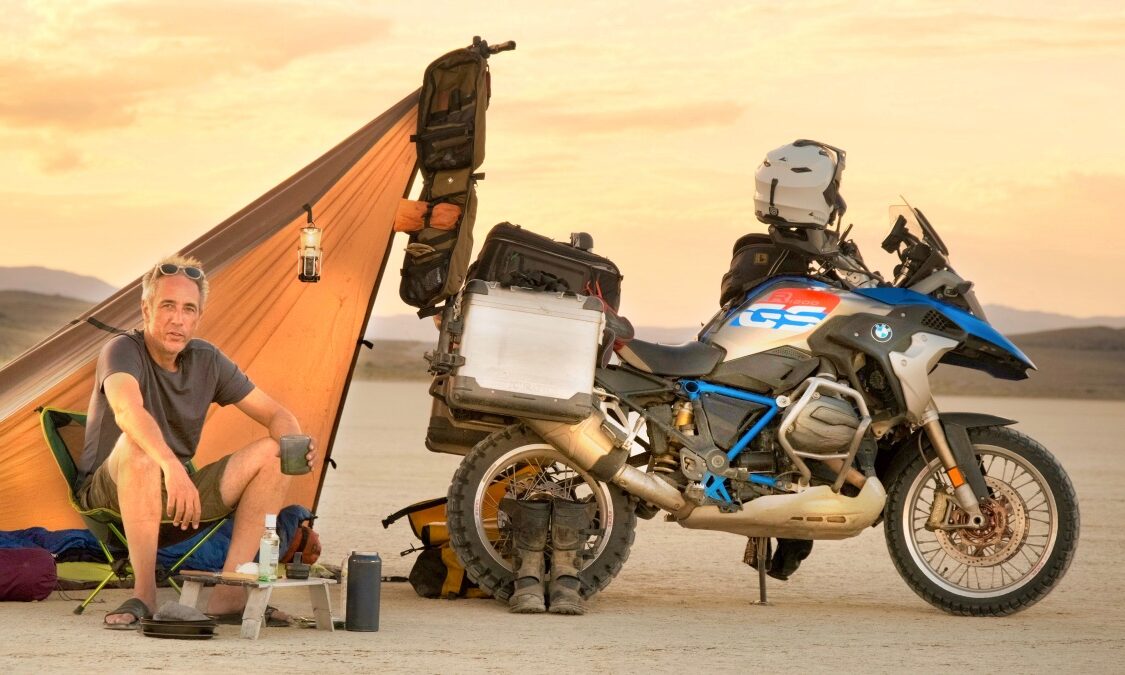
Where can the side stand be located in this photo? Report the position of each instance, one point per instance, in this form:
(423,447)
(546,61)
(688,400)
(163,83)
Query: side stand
(763,563)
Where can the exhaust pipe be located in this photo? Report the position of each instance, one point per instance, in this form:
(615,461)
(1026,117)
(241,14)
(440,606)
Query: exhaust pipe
(594,450)
(853,477)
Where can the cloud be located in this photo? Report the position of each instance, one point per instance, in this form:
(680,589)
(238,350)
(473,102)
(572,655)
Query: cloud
(619,119)
(93,68)
(232,35)
(60,159)
(647,118)
(44,97)
(46,151)
(1091,197)
(1045,242)
(970,33)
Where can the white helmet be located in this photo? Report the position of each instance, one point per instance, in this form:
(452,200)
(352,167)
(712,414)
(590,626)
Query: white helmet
(799,185)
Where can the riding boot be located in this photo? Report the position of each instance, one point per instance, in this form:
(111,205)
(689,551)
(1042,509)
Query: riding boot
(529,524)
(750,555)
(569,525)
(790,553)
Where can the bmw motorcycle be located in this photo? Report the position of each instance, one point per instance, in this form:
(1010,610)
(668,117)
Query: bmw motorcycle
(804,411)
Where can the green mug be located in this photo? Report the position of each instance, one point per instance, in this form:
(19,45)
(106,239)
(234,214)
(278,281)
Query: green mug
(294,449)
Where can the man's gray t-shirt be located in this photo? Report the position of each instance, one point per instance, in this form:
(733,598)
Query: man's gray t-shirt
(178,401)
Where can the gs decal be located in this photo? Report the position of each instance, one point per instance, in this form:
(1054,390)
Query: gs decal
(789,309)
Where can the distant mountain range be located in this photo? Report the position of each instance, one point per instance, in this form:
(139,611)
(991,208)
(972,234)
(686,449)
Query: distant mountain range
(1019,321)
(26,318)
(1074,362)
(54,282)
(408,327)
(1005,319)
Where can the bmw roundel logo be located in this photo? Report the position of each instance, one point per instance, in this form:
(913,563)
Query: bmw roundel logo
(881,332)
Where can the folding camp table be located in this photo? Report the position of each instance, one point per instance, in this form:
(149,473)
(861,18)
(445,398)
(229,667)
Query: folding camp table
(254,615)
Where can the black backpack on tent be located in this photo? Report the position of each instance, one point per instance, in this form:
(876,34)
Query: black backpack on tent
(450,142)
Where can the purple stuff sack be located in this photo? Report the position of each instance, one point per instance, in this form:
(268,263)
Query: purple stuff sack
(26,574)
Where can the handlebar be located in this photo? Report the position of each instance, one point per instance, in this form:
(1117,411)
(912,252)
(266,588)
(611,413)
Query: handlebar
(923,265)
(487,50)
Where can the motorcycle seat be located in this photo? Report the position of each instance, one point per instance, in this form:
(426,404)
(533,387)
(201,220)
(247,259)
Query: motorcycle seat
(690,359)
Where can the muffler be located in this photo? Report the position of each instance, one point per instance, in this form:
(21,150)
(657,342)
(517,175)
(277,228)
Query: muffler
(595,450)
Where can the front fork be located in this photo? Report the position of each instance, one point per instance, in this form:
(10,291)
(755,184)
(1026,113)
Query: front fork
(951,442)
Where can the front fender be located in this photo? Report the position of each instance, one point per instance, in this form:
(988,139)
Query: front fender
(885,464)
(975,420)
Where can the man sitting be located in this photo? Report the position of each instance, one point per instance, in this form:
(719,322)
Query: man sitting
(152,390)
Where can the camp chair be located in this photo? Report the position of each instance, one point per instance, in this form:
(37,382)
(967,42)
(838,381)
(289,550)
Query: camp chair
(65,433)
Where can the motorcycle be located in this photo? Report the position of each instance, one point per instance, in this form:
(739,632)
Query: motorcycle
(802,411)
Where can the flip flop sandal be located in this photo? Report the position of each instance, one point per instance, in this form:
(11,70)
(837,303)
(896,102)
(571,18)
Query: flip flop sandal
(235,618)
(133,606)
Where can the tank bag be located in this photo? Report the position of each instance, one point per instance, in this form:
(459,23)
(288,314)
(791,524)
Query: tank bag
(756,258)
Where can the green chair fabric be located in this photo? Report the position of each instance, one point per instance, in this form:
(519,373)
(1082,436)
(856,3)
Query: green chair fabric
(65,431)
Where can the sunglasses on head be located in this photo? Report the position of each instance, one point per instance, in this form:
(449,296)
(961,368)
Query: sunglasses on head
(169,270)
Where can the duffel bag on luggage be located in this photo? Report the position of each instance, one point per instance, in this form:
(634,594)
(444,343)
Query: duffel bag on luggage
(514,256)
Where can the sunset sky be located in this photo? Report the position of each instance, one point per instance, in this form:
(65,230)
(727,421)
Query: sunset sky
(130,128)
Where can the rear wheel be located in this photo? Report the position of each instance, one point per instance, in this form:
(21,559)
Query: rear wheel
(1010,563)
(515,462)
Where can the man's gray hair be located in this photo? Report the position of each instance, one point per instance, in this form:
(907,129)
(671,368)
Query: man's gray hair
(148,281)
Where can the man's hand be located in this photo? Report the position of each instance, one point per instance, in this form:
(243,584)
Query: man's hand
(273,416)
(311,456)
(183,497)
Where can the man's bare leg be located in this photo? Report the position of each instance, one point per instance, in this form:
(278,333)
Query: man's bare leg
(141,503)
(254,481)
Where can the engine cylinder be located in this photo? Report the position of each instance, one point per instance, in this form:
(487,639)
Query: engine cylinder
(826,425)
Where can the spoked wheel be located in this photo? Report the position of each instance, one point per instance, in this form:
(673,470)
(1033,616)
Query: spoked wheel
(515,462)
(1015,559)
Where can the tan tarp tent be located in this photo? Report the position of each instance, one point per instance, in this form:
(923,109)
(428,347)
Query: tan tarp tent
(296,341)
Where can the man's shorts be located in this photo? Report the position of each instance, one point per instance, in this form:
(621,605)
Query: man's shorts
(100,492)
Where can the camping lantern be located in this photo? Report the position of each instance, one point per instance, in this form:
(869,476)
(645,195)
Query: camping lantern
(309,253)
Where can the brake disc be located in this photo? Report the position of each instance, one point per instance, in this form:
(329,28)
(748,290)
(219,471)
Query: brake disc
(1001,537)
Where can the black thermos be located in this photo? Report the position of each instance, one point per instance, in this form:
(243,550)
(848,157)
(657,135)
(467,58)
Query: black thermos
(365,572)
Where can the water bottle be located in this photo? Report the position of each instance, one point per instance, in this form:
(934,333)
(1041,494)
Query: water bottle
(365,572)
(268,550)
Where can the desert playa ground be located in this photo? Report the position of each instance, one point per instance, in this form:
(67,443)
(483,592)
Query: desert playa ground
(682,603)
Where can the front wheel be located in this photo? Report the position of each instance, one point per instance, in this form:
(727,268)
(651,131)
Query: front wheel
(514,462)
(1010,563)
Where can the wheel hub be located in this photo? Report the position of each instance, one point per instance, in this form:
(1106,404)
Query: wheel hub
(536,472)
(998,539)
